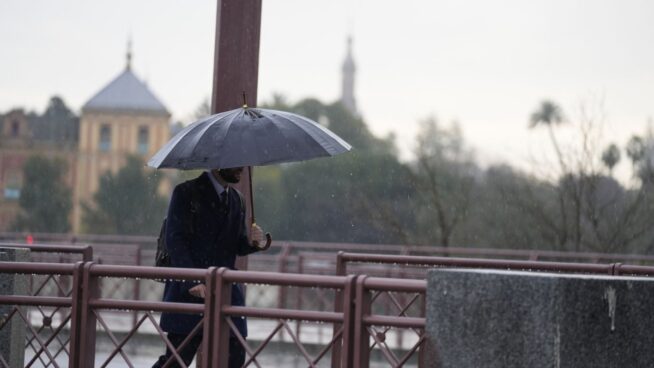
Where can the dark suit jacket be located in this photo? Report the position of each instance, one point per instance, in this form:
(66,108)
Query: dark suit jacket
(200,233)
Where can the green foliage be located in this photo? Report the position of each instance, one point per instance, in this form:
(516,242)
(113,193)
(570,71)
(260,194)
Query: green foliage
(351,198)
(126,202)
(360,196)
(337,119)
(45,200)
(57,125)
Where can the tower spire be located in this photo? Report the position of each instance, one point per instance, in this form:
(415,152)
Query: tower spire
(349,70)
(128,55)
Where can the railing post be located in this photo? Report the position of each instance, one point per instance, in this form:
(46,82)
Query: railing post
(205,355)
(216,328)
(87,253)
(340,264)
(76,315)
(281,268)
(345,348)
(422,353)
(338,307)
(87,325)
(299,293)
(361,335)
(283,290)
(136,292)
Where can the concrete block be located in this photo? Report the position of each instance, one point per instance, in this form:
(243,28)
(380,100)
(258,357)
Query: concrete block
(484,318)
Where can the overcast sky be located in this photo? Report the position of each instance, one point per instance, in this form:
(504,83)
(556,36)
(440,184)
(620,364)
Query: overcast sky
(484,63)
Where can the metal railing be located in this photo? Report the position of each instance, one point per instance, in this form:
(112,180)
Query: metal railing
(148,243)
(377,303)
(616,268)
(85,251)
(402,304)
(353,321)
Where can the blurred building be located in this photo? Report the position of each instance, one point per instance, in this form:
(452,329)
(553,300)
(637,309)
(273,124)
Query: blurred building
(123,118)
(347,82)
(23,135)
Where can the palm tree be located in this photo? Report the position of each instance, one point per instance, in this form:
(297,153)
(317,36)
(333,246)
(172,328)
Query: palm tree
(549,114)
(611,157)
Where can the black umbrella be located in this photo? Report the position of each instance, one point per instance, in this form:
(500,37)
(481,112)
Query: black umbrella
(248,137)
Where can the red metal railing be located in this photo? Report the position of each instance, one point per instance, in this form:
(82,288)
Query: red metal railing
(87,305)
(85,251)
(402,305)
(148,244)
(399,302)
(607,268)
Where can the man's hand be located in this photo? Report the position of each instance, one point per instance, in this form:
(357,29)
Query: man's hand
(199,291)
(256,234)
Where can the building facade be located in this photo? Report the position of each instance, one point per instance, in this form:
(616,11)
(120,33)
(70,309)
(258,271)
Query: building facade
(17,145)
(124,118)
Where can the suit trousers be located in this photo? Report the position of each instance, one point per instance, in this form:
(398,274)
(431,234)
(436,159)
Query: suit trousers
(236,351)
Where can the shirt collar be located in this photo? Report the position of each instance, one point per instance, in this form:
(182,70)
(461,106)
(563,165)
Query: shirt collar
(216,185)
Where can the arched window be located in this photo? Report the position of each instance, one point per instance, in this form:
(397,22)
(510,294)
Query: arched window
(105,138)
(143,140)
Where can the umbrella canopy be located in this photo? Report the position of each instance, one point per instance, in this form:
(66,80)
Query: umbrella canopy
(248,137)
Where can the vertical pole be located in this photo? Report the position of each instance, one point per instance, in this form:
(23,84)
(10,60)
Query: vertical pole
(217,346)
(338,307)
(208,335)
(281,268)
(361,335)
(236,70)
(87,327)
(137,287)
(75,316)
(422,352)
(299,294)
(87,253)
(345,349)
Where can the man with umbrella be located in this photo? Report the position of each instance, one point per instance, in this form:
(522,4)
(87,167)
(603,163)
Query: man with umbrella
(205,227)
(206,218)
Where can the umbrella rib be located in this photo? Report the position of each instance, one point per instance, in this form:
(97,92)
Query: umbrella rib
(328,146)
(198,136)
(172,144)
(307,133)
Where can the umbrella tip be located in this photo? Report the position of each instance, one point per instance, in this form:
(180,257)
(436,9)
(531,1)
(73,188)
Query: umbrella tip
(245,101)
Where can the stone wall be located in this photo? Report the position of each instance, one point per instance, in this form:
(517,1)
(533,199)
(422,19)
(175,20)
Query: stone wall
(482,318)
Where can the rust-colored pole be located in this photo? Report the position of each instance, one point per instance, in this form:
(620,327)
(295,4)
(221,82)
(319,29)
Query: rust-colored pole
(298,294)
(236,69)
(90,290)
(208,334)
(338,307)
(137,287)
(219,342)
(75,316)
(362,308)
(345,348)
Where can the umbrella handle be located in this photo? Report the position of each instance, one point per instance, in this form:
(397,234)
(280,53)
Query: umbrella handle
(268,242)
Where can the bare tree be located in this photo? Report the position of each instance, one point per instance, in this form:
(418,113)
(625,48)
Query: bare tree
(593,212)
(445,176)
